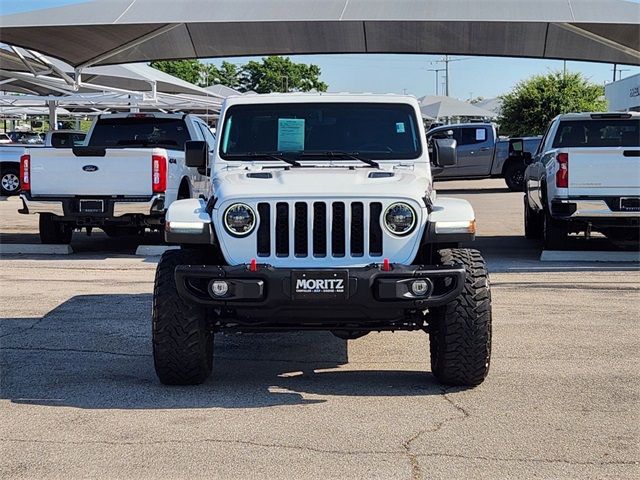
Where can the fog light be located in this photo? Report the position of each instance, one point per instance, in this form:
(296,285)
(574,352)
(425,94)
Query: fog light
(420,287)
(219,288)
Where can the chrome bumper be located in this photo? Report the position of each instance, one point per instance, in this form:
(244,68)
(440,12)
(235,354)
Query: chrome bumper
(43,206)
(597,208)
(120,207)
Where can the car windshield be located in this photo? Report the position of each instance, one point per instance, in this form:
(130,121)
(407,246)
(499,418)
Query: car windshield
(377,131)
(136,131)
(598,133)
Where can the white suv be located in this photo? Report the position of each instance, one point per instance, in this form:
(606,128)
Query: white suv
(321,216)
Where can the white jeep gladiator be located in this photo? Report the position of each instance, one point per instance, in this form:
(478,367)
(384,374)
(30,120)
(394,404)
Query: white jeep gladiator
(321,216)
(130,168)
(585,177)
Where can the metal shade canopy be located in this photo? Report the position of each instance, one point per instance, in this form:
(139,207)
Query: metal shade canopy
(122,31)
(434,106)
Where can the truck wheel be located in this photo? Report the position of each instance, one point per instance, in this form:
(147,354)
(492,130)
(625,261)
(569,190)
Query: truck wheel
(182,339)
(9,181)
(532,222)
(555,233)
(460,332)
(52,232)
(514,177)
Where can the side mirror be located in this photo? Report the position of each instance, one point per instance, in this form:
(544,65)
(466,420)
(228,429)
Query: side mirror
(445,153)
(195,153)
(528,158)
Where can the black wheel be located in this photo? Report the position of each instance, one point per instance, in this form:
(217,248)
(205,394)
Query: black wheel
(460,332)
(555,233)
(182,338)
(9,181)
(532,222)
(514,176)
(53,232)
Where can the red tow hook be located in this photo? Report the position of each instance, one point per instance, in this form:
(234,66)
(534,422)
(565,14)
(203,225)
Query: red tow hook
(386,266)
(253,266)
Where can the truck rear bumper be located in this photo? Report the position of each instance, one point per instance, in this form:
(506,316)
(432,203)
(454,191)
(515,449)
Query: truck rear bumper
(595,208)
(269,294)
(112,207)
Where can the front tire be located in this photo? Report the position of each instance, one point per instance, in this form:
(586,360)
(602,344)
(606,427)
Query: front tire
(460,332)
(182,337)
(52,232)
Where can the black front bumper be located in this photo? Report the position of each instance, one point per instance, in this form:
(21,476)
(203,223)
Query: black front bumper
(371,293)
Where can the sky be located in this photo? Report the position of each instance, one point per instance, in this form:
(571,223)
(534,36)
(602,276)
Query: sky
(469,77)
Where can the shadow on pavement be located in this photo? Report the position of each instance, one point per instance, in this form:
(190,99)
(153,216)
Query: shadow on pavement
(94,351)
(470,191)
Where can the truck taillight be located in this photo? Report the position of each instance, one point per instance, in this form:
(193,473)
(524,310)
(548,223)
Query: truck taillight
(159,173)
(562,175)
(25,173)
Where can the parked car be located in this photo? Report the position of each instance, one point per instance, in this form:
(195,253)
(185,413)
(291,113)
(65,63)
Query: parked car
(481,154)
(4,139)
(26,138)
(321,216)
(10,156)
(130,168)
(585,177)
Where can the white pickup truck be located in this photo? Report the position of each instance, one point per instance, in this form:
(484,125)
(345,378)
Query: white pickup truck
(11,152)
(585,177)
(129,170)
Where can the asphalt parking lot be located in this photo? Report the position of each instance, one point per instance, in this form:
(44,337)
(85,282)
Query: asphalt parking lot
(79,397)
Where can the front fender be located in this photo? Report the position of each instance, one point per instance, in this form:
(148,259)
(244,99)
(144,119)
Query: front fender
(188,222)
(452,220)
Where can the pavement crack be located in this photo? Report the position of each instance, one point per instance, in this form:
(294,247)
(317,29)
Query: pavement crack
(75,350)
(22,330)
(526,460)
(416,471)
(249,443)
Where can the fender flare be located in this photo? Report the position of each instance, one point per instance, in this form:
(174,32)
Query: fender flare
(452,220)
(188,222)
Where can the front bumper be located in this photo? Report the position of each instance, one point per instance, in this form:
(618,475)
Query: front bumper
(371,293)
(113,206)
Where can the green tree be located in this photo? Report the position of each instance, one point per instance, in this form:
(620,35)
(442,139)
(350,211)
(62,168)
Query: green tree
(228,74)
(280,74)
(188,70)
(531,105)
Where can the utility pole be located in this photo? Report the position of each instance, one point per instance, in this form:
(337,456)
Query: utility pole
(436,70)
(446,60)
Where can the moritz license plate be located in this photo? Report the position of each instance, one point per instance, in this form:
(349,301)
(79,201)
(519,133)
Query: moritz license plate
(91,206)
(320,285)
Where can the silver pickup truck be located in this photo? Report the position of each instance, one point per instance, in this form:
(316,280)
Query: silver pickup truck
(481,154)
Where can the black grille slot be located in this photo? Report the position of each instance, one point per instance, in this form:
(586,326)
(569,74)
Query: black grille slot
(282,229)
(300,248)
(357,229)
(338,230)
(375,231)
(319,229)
(264,237)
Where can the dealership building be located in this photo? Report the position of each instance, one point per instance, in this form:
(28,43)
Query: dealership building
(624,95)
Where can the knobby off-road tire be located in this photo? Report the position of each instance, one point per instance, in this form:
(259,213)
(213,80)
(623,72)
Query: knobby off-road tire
(52,232)
(460,334)
(182,339)
(532,222)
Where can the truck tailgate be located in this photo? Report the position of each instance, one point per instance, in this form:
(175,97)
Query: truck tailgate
(604,171)
(57,171)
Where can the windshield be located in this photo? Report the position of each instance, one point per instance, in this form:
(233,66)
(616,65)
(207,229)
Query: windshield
(598,133)
(169,133)
(379,131)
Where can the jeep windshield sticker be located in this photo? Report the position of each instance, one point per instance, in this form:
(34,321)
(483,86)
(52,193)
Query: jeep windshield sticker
(400,127)
(290,134)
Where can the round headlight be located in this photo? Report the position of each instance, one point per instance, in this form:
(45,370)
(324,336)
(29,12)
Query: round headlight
(239,219)
(399,218)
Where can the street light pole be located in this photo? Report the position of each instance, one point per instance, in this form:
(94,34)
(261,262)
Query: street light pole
(436,70)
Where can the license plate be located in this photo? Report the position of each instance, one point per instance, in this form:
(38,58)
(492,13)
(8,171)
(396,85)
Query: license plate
(630,204)
(320,285)
(91,206)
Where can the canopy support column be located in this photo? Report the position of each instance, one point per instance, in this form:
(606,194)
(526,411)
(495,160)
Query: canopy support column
(53,115)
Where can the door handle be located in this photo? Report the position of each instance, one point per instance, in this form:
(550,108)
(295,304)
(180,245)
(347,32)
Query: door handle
(484,149)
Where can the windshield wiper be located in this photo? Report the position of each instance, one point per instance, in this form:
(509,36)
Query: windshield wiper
(271,156)
(334,154)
